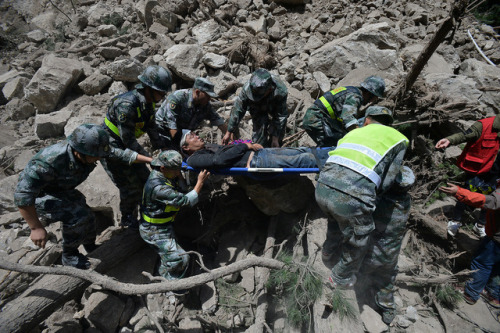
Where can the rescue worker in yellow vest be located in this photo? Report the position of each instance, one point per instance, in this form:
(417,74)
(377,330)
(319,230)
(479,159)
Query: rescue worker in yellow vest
(334,114)
(364,165)
(129,116)
(161,200)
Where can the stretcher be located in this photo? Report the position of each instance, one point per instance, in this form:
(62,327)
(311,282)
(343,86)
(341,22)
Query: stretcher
(253,171)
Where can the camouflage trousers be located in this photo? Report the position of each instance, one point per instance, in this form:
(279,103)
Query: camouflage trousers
(380,264)
(130,180)
(324,130)
(69,207)
(173,260)
(350,224)
(262,129)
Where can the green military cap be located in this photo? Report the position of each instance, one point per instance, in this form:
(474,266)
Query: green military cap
(375,85)
(260,81)
(156,77)
(380,114)
(170,159)
(205,85)
(90,139)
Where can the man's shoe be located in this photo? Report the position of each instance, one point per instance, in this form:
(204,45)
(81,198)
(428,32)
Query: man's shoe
(75,259)
(469,299)
(334,285)
(490,299)
(388,316)
(453,227)
(479,230)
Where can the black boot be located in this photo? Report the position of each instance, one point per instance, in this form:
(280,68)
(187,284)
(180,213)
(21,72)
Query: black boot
(74,258)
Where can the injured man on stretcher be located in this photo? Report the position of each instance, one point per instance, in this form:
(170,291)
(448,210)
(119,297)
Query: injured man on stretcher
(203,155)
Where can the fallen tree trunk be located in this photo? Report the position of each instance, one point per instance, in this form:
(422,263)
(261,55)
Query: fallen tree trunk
(446,26)
(49,292)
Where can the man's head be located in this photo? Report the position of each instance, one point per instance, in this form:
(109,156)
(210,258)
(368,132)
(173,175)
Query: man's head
(261,85)
(90,142)
(375,86)
(380,114)
(203,90)
(168,162)
(157,81)
(191,142)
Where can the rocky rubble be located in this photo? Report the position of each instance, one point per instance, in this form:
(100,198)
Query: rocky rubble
(63,62)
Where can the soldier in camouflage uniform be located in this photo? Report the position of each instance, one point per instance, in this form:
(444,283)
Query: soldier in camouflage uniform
(365,163)
(380,264)
(161,200)
(186,109)
(334,114)
(264,96)
(46,188)
(129,116)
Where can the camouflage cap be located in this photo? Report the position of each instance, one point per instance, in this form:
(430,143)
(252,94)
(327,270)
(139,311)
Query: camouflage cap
(170,159)
(380,113)
(156,77)
(91,140)
(205,85)
(260,81)
(375,85)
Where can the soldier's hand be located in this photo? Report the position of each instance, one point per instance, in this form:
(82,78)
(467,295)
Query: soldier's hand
(443,143)
(39,237)
(450,189)
(228,137)
(203,175)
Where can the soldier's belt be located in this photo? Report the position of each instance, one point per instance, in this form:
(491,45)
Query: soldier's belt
(153,220)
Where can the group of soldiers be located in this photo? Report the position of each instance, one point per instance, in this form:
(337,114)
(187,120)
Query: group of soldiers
(362,188)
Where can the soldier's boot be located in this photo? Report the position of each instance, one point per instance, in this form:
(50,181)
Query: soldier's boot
(129,220)
(74,258)
(385,302)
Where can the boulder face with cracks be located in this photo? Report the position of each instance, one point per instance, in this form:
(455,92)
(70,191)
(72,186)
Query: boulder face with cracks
(69,59)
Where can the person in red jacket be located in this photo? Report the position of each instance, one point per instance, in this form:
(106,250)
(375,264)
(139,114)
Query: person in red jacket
(478,162)
(486,262)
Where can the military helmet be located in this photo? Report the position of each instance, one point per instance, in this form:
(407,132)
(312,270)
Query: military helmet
(375,85)
(380,113)
(156,77)
(170,159)
(91,140)
(260,81)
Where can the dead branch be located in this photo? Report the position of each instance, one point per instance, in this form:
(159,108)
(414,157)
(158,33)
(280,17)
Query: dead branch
(429,280)
(442,315)
(440,35)
(69,18)
(141,289)
(292,138)
(84,49)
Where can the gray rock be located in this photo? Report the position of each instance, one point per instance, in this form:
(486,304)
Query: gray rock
(107,30)
(338,57)
(224,83)
(15,88)
(22,159)
(436,63)
(215,61)
(103,310)
(292,2)
(36,36)
(138,53)
(52,81)
(117,88)
(109,52)
(62,320)
(185,60)
(8,76)
(208,297)
(411,314)
(45,21)
(323,81)
(313,43)
(8,185)
(312,87)
(206,32)
(165,18)
(94,83)
(372,320)
(256,26)
(126,70)
(51,125)
(190,325)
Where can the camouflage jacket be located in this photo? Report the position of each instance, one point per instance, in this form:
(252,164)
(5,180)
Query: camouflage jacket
(345,104)
(178,112)
(273,106)
(160,192)
(355,184)
(55,169)
(132,116)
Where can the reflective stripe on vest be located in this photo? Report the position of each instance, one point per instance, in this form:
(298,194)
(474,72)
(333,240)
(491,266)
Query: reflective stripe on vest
(169,209)
(138,132)
(362,149)
(327,104)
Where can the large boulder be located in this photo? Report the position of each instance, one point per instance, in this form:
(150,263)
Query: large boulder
(486,76)
(207,31)
(185,61)
(371,46)
(52,81)
(124,70)
(51,125)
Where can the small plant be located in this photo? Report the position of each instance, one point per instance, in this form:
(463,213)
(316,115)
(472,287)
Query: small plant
(341,305)
(448,296)
(489,13)
(299,286)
